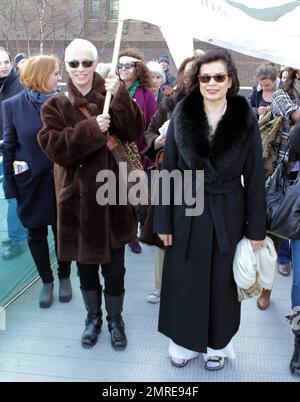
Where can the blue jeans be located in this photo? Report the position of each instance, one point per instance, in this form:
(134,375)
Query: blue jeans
(16,231)
(295,246)
(284,253)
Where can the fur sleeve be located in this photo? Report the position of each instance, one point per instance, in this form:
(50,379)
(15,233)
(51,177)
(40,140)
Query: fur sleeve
(67,146)
(127,120)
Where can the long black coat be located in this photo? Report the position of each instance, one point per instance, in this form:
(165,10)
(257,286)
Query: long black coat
(199,305)
(34,188)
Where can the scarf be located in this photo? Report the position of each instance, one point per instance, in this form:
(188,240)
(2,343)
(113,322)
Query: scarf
(296,87)
(39,98)
(132,88)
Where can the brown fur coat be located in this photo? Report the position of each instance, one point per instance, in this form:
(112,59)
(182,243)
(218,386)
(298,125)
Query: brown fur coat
(87,232)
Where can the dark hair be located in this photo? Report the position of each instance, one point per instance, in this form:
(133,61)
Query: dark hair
(289,82)
(2,49)
(283,71)
(209,57)
(180,84)
(142,71)
(266,71)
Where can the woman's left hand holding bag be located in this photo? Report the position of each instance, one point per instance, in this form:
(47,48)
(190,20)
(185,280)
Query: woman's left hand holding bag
(167,239)
(257,244)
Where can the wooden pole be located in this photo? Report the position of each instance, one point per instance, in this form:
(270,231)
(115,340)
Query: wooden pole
(114,62)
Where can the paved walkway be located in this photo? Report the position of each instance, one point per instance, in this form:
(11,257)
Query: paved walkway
(44,345)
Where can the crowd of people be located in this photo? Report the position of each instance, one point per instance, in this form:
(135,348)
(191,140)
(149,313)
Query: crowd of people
(54,144)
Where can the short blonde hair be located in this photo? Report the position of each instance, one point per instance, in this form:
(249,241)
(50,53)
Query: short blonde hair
(81,44)
(36,70)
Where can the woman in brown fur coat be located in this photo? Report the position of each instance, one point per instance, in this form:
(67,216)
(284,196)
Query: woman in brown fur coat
(88,233)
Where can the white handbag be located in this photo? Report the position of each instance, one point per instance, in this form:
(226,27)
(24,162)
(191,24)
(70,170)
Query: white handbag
(254,270)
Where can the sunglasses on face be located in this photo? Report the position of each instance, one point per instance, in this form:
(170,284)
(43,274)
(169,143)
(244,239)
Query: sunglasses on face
(219,78)
(84,63)
(126,65)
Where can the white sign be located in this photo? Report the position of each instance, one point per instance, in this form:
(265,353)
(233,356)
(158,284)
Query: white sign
(267,29)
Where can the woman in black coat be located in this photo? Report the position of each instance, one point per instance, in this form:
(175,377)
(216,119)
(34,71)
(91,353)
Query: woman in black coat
(214,130)
(294,318)
(29,173)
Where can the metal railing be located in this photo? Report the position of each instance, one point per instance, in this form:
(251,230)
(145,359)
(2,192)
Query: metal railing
(244,91)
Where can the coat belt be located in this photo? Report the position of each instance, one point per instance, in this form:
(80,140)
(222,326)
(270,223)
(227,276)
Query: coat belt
(213,192)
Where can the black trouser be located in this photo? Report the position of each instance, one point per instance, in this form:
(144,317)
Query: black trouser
(113,274)
(38,244)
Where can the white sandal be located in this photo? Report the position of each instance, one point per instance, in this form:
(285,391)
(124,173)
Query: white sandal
(214,363)
(179,362)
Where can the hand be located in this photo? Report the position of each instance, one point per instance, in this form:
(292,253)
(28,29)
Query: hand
(103,121)
(257,244)
(261,110)
(112,83)
(159,141)
(167,239)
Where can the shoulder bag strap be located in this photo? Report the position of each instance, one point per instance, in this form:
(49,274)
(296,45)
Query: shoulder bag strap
(86,113)
(112,142)
(82,109)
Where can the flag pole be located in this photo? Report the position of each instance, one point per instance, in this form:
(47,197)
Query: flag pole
(114,62)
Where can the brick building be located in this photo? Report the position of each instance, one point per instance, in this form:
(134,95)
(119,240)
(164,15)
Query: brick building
(35,25)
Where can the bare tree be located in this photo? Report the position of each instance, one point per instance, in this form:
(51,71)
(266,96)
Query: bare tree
(40,23)
(41,11)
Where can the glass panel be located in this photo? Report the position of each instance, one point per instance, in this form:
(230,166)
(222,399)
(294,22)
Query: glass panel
(17,272)
(114,9)
(94,12)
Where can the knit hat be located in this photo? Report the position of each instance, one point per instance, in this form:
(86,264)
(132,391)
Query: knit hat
(164,58)
(19,57)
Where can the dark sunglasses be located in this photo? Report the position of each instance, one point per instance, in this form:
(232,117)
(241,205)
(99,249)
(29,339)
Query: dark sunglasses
(205,78)
(126,65)
(84,63)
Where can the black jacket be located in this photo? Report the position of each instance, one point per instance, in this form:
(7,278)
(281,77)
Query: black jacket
(294,142)
(10,87)
(170,78)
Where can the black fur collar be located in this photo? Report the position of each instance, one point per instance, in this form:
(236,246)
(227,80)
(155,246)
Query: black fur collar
(192,132)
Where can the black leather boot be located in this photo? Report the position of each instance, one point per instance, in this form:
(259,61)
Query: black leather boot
(93,322)
(65,290)
(294,320)
(116,326)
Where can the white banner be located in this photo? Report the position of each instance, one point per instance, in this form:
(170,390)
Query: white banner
(267,29)
(165,14)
